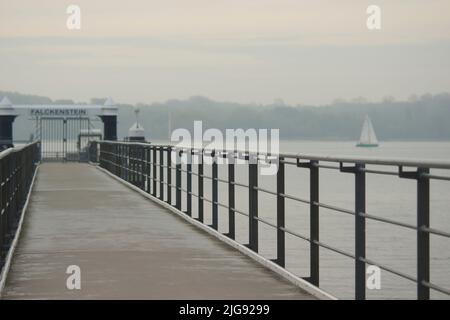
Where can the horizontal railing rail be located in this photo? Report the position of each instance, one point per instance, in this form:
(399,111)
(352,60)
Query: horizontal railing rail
(17,167)
(150,167)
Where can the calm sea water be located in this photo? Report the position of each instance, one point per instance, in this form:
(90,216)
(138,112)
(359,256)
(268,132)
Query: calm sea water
(387,196)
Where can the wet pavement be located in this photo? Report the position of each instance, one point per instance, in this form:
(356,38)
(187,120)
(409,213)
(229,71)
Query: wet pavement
(127,247)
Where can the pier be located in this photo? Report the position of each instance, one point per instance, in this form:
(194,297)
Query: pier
(126,246)
(126,219)
(147,221)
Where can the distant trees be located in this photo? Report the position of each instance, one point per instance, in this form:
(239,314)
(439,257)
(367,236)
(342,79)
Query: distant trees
(425,117)
(421,118)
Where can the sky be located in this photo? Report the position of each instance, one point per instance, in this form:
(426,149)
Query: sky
(248,51)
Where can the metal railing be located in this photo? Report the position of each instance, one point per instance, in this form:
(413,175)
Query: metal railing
(17,167)
(150,168)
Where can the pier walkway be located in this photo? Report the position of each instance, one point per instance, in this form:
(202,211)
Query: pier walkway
(127,247)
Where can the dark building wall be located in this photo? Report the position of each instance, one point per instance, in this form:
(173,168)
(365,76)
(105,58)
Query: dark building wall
(110,127)
(6,131)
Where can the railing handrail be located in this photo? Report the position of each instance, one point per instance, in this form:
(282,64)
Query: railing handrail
(384,161)
(6,152)
(17,169)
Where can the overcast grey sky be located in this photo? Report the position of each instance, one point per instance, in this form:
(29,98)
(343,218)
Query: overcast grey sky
(308,52)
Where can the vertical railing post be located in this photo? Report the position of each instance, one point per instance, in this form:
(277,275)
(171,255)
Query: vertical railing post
(189,183)
(154,172)
(100,157)
(2,206)
(116,160)
(123,159)
(139,163)
(360,232)
(123,162)
(314,222)
(13,202)
(127,162)
(116,164)
(136,165)
(120,160)
(128,153)
(280,214)
(8,192)
(161,173)
(130,164)
(169,175)
(146,168)
(200,186)
(178,179)
(131,157)
(423,237)
(231,195)
(253,201)
(10,210)
(142,167)
(214,182)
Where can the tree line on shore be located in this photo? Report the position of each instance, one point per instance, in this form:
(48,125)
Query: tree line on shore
(425,117)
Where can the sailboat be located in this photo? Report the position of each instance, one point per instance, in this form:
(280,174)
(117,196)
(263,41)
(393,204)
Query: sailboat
(368,137)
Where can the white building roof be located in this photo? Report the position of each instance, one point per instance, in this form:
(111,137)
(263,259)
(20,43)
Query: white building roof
(136,130)
(5,102)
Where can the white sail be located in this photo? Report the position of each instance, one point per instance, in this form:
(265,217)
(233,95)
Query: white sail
(368,137)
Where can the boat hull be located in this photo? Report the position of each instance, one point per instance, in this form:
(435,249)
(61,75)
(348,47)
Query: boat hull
(367,145)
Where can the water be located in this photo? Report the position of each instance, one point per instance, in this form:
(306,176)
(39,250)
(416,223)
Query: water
(387,196)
